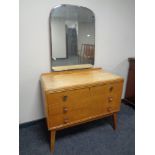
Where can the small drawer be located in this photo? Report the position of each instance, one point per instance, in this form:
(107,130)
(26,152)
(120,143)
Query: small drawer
(67,96)
(109,88)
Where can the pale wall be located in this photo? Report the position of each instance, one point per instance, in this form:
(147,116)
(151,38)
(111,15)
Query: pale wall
(114,44)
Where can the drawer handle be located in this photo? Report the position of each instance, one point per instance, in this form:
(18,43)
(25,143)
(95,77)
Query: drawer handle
(66,120)
(65,98)
(65,109)
(110,99)
(109,109)
(111,88)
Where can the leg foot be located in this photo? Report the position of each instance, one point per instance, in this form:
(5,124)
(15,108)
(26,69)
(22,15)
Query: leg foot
(52,139)
(114,120)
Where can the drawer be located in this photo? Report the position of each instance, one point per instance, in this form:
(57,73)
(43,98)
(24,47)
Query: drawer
(70,117)
(110,89)
(77,115)
(68,101)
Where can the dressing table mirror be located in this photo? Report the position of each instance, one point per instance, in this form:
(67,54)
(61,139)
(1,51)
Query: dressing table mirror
(74,96)
(72,37)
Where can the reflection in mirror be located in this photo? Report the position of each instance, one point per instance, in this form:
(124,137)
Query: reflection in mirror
(72,34)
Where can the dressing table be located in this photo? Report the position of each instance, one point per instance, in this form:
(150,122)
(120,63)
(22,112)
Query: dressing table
(75,92)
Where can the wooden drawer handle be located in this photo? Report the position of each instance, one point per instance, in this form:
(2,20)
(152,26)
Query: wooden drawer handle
(110,99)
(65,109)
(66,120)
(64,98)
(111,88)
(109,109)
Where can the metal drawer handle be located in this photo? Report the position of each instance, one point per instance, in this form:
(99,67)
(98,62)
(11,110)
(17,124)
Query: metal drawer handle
(65,98)
(110,99)
(65,109)
(66,120)
(109,109)
(111,88)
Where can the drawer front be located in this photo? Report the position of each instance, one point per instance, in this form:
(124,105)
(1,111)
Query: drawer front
(67,101)
(69,117)
(111,89)
(77,116)
(106,98)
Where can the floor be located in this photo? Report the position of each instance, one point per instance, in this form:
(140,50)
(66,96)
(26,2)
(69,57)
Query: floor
(95,138)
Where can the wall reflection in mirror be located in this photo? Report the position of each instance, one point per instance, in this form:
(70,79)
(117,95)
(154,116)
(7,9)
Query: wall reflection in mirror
(72,35)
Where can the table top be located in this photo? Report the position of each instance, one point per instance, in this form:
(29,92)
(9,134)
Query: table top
(59,81)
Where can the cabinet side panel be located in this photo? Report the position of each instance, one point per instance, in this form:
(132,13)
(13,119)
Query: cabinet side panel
(45,104)
(119,95)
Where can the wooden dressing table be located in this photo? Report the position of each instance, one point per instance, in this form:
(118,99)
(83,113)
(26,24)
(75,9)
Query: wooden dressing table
(78,96)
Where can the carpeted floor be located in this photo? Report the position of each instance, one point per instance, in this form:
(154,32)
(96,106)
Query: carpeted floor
(94,138)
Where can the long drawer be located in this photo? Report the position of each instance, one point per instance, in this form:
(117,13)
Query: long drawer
(77,115)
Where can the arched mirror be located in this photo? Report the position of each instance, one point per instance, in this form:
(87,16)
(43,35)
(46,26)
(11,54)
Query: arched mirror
(72,35)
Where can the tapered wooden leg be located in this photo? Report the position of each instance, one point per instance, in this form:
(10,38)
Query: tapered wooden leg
(52,140)
(114,120)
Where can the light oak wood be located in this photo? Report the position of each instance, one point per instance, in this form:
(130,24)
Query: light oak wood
(71,67)
(79,96)
(57,104)
(114,120)
(60,81)
(52,140)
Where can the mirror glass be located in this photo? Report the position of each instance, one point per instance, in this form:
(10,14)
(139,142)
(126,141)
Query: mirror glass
(72,35)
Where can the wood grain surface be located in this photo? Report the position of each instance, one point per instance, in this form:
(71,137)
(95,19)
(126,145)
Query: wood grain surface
(78,96)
